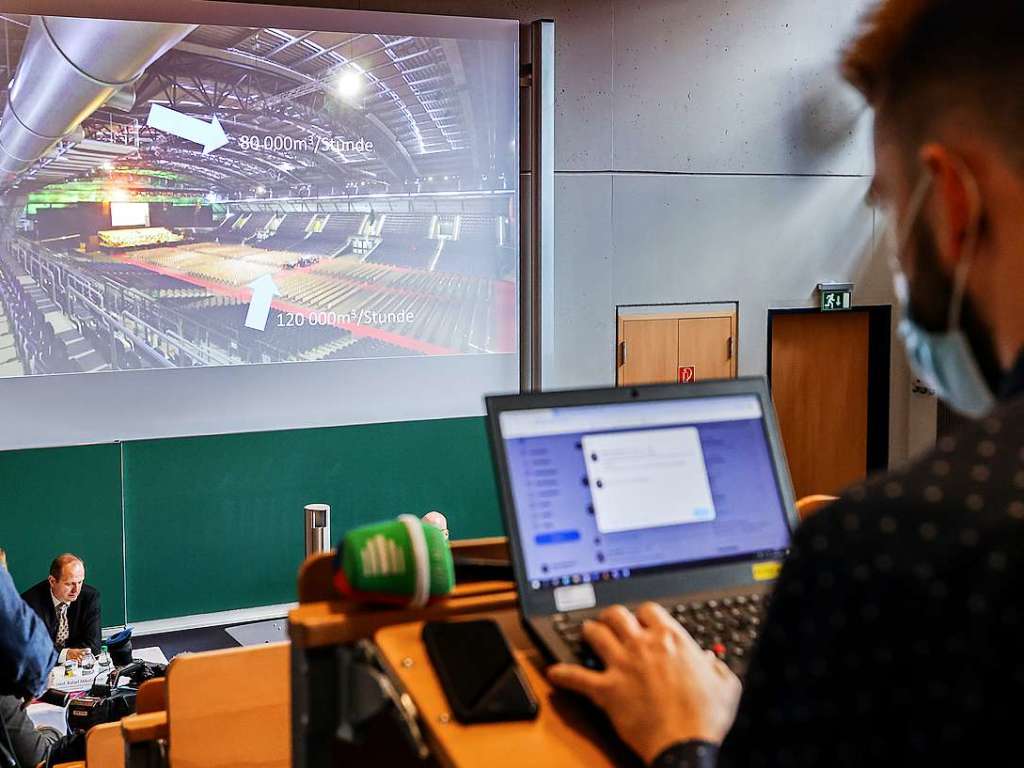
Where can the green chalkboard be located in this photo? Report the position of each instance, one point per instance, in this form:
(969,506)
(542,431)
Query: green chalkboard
(55,500)
(216,523)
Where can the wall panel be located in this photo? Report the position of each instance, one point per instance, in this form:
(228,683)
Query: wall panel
(56,500)
(216,523)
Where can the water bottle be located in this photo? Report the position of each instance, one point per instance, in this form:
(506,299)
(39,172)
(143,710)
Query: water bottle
(88,661)
(104,657)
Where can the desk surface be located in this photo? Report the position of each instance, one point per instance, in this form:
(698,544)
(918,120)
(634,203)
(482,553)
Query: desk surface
(82,681)
(320,624)
(56,717)
(564,733)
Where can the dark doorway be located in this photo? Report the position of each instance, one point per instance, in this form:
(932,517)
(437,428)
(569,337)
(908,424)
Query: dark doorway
(829,375)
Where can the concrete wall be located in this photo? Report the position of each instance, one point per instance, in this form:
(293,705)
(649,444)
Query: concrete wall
(706,151)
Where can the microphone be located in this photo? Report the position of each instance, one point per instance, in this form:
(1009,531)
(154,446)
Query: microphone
(399,562)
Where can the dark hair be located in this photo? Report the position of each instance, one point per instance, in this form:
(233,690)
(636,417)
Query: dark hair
(57,566)
(923,61)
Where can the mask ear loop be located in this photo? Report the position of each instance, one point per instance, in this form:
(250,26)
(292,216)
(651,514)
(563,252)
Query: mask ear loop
(916,203)
(901,232)
(969,247)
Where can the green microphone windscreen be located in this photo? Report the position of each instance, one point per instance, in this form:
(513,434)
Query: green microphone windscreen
(401,561)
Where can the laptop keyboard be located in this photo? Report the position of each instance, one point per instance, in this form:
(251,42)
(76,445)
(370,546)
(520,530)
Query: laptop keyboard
(727,626)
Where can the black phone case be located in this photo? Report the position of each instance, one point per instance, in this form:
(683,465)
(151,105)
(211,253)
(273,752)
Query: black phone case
(506,696)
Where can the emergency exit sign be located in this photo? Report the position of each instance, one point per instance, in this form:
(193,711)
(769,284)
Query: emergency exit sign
(835,297)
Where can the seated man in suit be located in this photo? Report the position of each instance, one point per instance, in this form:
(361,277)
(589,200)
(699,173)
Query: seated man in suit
(69,608)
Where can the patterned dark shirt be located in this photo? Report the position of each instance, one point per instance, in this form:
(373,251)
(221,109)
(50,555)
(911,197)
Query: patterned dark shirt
(896,632)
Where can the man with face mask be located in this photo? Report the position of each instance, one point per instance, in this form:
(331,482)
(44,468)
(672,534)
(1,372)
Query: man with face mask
(894,636)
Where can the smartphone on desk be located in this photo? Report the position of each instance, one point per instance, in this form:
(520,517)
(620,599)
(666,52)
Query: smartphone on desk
(479,674)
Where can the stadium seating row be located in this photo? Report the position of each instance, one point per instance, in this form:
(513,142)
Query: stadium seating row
(468,244)
(476,250)
(452,311)
(36,344)
(209,319)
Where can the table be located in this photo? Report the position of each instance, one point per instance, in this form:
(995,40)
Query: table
(565,732)
(81,680)
(56,717)
(49,715)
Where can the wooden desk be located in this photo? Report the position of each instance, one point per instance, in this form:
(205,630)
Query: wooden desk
(224,709)
(565,732)
(318,629)
(145,738)
(152,696)
(323,623)
(137,729)
(316,625)
(230,708)
(104,746)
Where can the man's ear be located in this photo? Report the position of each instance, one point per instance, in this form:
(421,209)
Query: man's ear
(955,205)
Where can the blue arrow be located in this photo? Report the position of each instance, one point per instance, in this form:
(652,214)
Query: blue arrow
(210,135)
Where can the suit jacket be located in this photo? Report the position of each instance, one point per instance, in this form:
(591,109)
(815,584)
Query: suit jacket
(84,623)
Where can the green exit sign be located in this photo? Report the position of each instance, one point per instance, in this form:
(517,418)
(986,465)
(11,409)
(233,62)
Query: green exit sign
(835,298)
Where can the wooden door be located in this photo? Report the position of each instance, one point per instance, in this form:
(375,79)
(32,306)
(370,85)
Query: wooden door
(656,349)
(649,351)
(706,346)
(820,375)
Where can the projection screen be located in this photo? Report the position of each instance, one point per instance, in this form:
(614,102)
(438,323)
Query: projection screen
(221,218)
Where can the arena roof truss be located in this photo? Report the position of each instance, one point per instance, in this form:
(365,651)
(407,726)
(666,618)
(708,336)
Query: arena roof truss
(414,104)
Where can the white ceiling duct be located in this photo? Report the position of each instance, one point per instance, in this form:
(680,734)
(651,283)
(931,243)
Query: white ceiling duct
(68,69)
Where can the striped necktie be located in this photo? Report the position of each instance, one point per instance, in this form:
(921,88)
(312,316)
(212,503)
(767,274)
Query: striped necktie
(62,626)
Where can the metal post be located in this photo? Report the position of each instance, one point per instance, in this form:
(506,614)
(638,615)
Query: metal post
(318,529)
(537,183)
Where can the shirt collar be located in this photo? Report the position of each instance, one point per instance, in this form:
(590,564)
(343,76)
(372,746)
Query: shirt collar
(56,603)
(1013,382)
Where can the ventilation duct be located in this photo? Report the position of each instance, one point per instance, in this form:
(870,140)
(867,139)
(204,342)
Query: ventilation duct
(68,69)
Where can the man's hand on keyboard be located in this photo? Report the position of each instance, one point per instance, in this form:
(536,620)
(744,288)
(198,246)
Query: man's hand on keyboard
(658,687)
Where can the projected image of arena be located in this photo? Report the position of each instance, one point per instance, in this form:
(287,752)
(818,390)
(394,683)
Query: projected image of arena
(177,195)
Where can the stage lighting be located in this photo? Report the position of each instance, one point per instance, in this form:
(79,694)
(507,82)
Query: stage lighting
(349,84)
(261,190)
(118,194)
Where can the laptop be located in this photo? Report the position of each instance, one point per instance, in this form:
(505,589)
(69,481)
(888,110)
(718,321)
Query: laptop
(678,494)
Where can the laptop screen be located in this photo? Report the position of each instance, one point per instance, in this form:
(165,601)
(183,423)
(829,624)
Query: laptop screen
(604,492)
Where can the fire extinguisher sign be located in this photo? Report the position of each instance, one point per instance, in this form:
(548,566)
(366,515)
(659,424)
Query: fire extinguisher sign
(687,374)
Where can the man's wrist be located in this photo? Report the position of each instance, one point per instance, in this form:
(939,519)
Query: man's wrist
(692,754)
(666,737)
(62,656)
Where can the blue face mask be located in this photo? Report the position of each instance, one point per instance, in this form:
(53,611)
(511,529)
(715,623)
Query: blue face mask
(943,360)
